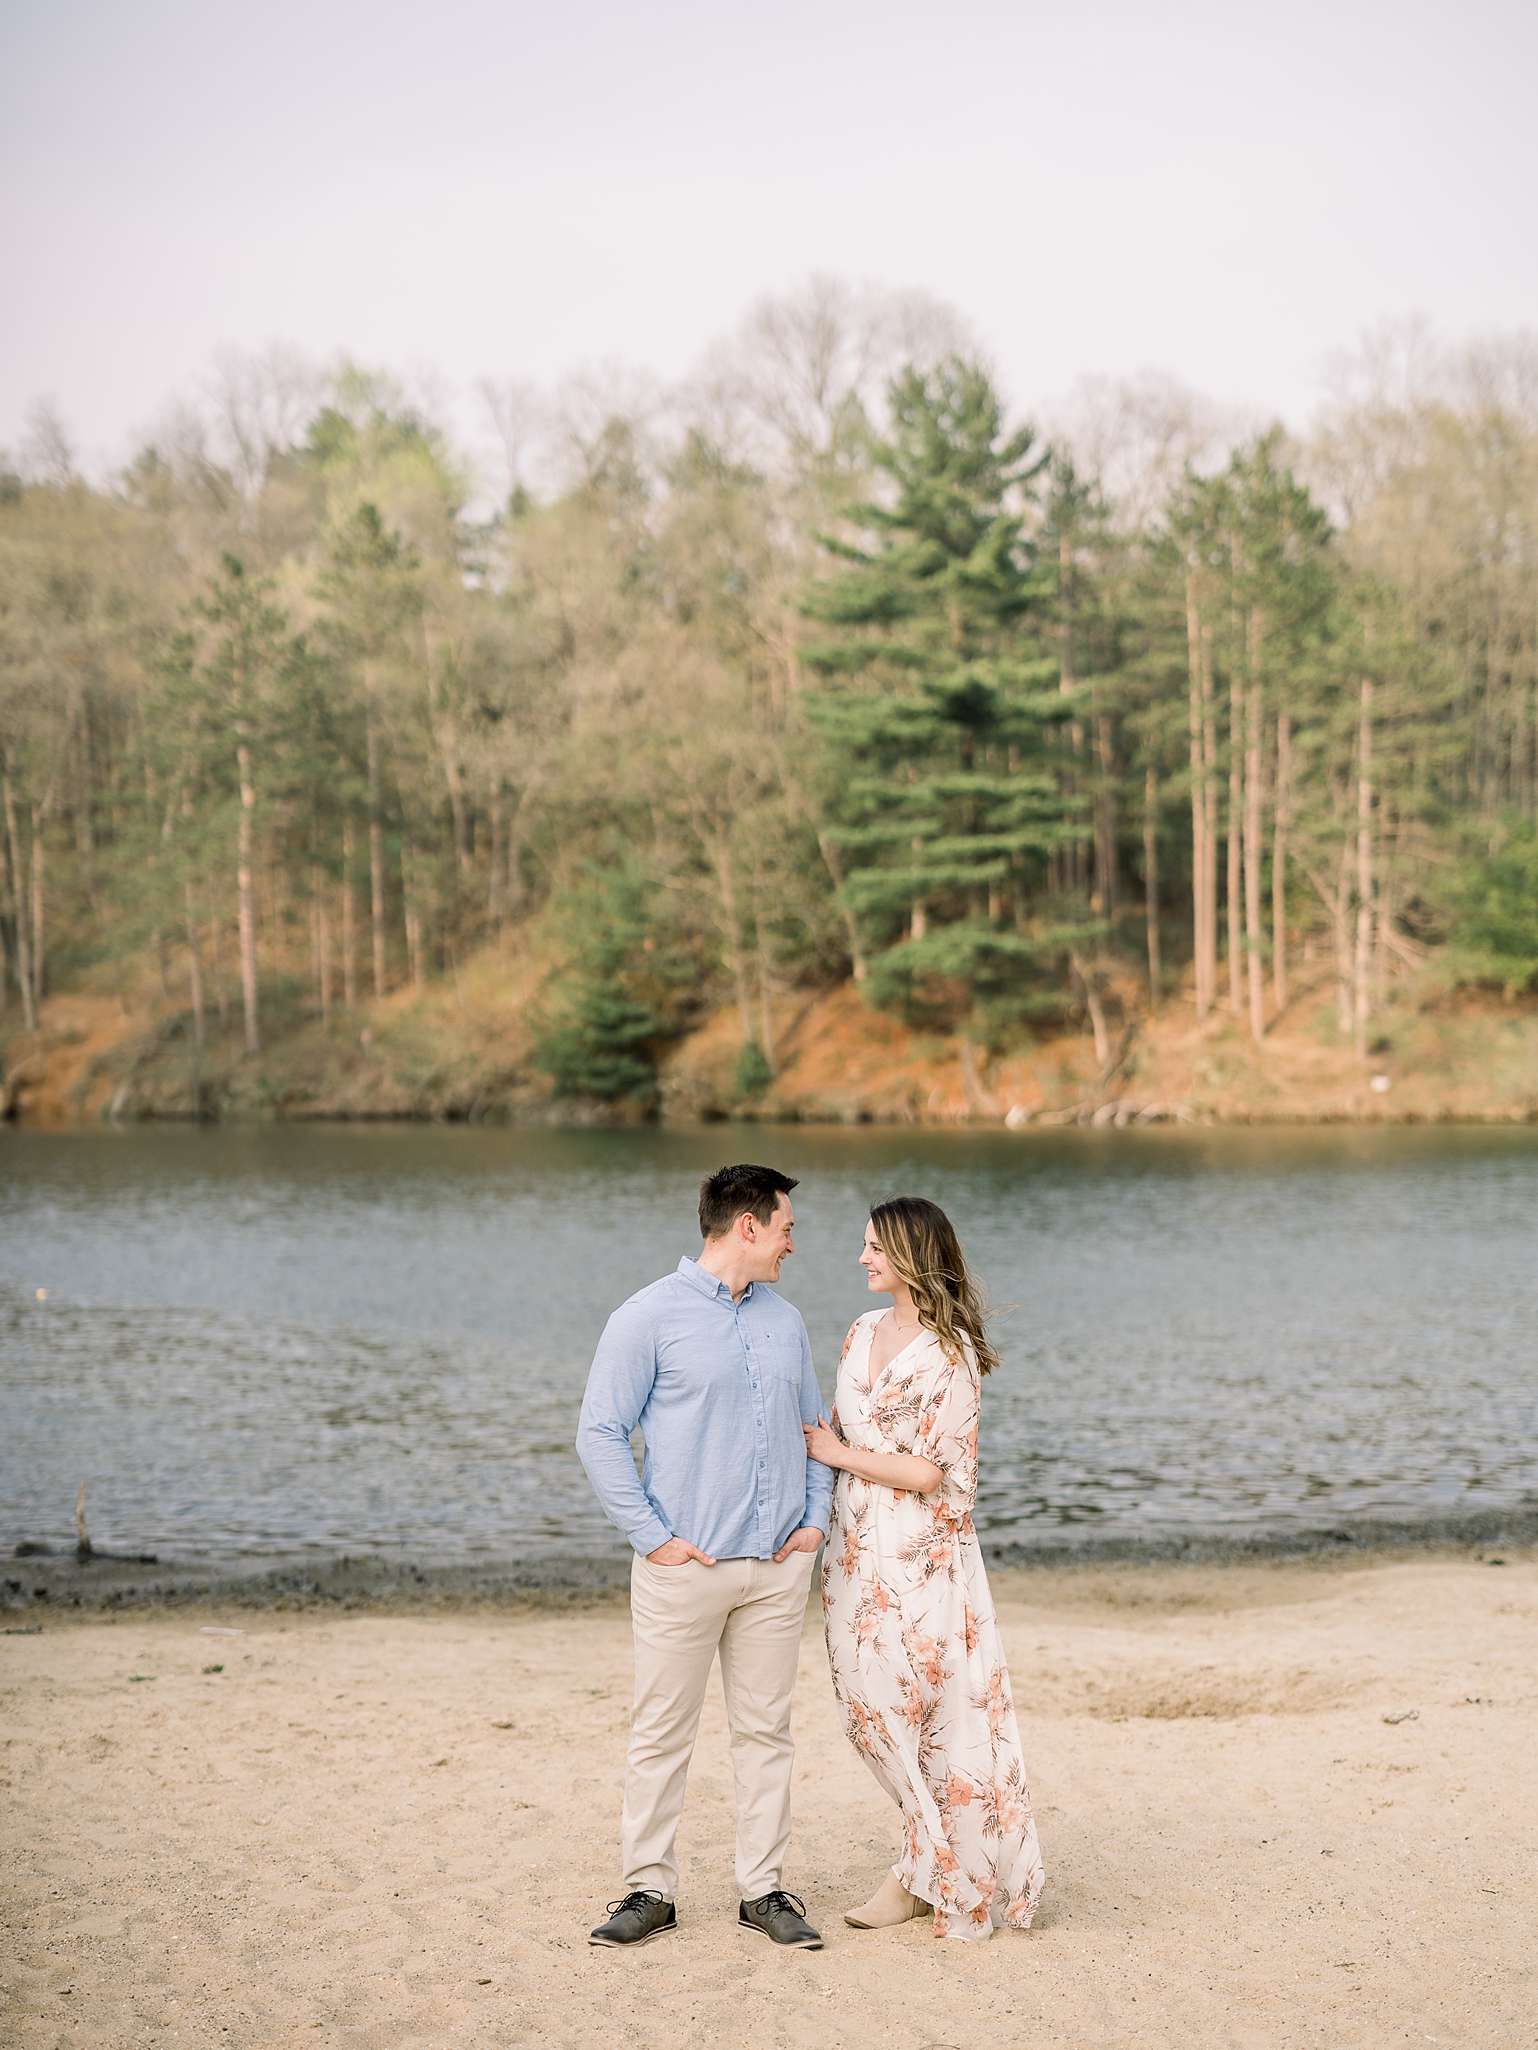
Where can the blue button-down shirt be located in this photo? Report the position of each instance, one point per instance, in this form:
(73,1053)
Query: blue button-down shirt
(720,1390)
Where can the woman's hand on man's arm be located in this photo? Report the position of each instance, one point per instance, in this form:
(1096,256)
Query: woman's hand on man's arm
(906,1471)
(824,1444)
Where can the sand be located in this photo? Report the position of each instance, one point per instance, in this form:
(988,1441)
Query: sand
(1279,1804)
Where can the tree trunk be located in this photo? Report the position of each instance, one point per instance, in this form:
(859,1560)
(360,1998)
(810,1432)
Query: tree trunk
(765,973)
(920,922)
(1210,812)
(413,913)
(835,868)
(221,994)
(320,926)
(375,832)
(830,862)
(1198,810)
(1092,1005)
(459,809)
(514,853)
(315,932)
(1235,840)
(1342,920)
(494,885)
(1151,881)
(1364,906)
(1079,866)
(19,911)
(732,927)
(446,739)
(1105,817)
(325,954)
(1279,824)
(349,921)
(1201,939)
(85,836)
(247,901)
(39,980)
(194,964)
(1252,816)
(1337,903)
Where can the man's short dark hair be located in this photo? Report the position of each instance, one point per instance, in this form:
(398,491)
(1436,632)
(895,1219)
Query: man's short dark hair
(725,1194)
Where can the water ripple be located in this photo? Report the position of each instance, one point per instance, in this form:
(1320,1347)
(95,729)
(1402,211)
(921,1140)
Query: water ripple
(257,1343)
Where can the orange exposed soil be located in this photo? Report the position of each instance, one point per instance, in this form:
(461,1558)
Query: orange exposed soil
(462,1050)
(840,1061)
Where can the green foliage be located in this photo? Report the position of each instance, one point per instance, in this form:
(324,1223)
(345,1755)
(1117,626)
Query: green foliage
(624,990)
(934,704)
(944,759)
(979,973)
(1497,900)
(754,1073)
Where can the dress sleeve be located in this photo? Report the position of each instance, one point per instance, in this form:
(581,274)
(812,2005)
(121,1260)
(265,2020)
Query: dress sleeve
(947,1426)
(833,1419)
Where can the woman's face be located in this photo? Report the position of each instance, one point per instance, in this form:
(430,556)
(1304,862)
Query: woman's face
(880,1273)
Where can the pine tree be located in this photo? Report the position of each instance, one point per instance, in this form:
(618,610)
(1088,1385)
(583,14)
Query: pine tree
(935,694)
(622,993)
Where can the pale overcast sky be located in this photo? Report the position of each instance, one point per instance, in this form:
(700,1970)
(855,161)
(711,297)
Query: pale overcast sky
(1225,191)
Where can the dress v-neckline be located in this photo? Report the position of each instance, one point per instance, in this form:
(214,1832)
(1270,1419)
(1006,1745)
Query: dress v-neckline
(892,1362)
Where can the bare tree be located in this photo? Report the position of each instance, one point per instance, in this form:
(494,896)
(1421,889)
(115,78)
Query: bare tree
(262,402)
(520,420)
(600,429)
(1137,437)
(47,451)
(804,365)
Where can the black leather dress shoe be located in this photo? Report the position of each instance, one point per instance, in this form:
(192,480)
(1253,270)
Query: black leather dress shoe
(780,1917)
(636,1919)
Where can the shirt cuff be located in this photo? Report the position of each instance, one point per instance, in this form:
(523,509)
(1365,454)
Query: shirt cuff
(650,1536)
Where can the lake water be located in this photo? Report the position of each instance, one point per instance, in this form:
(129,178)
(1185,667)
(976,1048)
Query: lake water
(374,1340)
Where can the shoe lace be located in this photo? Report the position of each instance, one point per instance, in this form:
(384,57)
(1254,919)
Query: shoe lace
(779,1902)
(643,1897)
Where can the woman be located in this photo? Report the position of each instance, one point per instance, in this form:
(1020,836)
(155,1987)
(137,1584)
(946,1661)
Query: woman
(917,1663)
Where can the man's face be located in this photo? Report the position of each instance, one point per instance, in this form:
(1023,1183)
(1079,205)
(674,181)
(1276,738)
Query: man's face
(771,1243)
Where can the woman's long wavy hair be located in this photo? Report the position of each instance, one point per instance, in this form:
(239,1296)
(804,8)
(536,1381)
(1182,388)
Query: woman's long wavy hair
(921,1243)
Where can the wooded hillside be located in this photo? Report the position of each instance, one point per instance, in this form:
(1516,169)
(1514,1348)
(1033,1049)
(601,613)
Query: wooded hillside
(823,667)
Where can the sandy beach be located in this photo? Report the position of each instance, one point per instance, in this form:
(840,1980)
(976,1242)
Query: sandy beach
(1280,1804)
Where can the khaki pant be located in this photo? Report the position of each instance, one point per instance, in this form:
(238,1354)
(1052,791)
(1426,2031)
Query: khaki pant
(751,1612)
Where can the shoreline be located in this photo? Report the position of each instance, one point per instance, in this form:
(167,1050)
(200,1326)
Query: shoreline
(1465,1056)
(56,1583)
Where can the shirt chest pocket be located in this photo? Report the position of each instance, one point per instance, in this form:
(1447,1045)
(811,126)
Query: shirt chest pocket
(780,1359)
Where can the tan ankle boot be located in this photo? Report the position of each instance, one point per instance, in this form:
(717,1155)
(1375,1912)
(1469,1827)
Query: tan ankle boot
(891,1904)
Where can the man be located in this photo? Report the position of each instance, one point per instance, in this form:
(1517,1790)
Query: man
(725,1520)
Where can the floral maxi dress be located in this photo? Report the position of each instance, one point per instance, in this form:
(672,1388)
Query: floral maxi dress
(918,1667)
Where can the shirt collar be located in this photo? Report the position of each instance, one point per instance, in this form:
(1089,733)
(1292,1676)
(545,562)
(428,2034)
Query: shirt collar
(710,1284)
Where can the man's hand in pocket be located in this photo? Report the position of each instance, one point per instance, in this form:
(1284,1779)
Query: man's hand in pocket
(678,1552)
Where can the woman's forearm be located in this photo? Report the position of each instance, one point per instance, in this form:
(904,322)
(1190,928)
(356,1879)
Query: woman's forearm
(905,1470)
